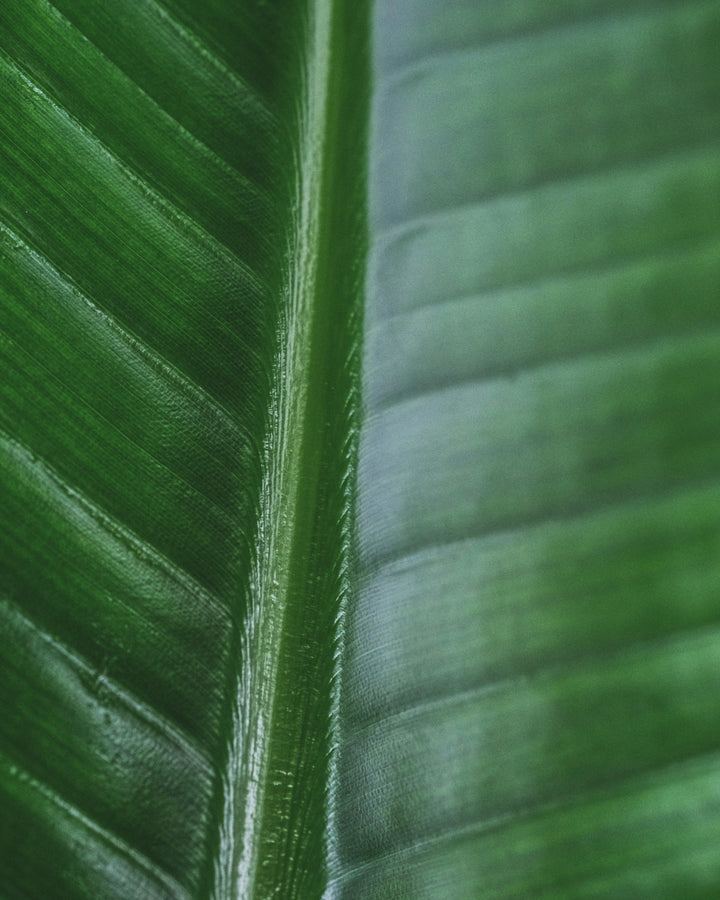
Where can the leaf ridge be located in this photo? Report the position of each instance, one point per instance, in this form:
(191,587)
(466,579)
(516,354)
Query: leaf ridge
(606,18)
(215,246)
(173,376)
(558,669)
(574,514)
(653,164)
(187,36)
(637,783)
(191,488)
(212,155)
(129,700)
(647,345)
(140,548)
(620,263)
(107,838)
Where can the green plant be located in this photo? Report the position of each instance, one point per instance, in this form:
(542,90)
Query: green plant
(358,449)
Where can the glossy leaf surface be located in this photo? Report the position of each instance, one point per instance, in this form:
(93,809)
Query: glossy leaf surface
(254,649)
(167,593)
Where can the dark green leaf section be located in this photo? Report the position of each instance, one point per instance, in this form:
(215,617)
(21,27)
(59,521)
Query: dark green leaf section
(220,173)
(182,255)
(530,676)
(148,166)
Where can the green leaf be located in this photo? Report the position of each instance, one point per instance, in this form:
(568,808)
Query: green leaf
(175,441)
(359,517)
(530,691)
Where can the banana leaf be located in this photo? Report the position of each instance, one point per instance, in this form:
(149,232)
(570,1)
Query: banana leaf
(359,449)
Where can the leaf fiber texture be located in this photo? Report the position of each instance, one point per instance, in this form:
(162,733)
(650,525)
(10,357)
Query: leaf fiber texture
(359,501)
(529,705)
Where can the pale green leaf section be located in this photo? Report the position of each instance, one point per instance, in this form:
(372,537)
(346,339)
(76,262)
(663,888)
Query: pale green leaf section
(531,671)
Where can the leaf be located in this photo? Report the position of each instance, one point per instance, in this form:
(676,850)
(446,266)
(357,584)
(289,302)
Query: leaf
(174,474)
(529,704)
(274,630)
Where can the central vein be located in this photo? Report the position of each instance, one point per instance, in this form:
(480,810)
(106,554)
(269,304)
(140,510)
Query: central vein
(247,842)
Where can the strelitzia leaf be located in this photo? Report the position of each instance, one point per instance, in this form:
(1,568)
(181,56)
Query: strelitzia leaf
(359,444)
(529,692)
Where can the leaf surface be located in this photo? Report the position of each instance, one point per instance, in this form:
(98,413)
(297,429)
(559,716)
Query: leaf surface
(529,702)
(358,449)
(177,362)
